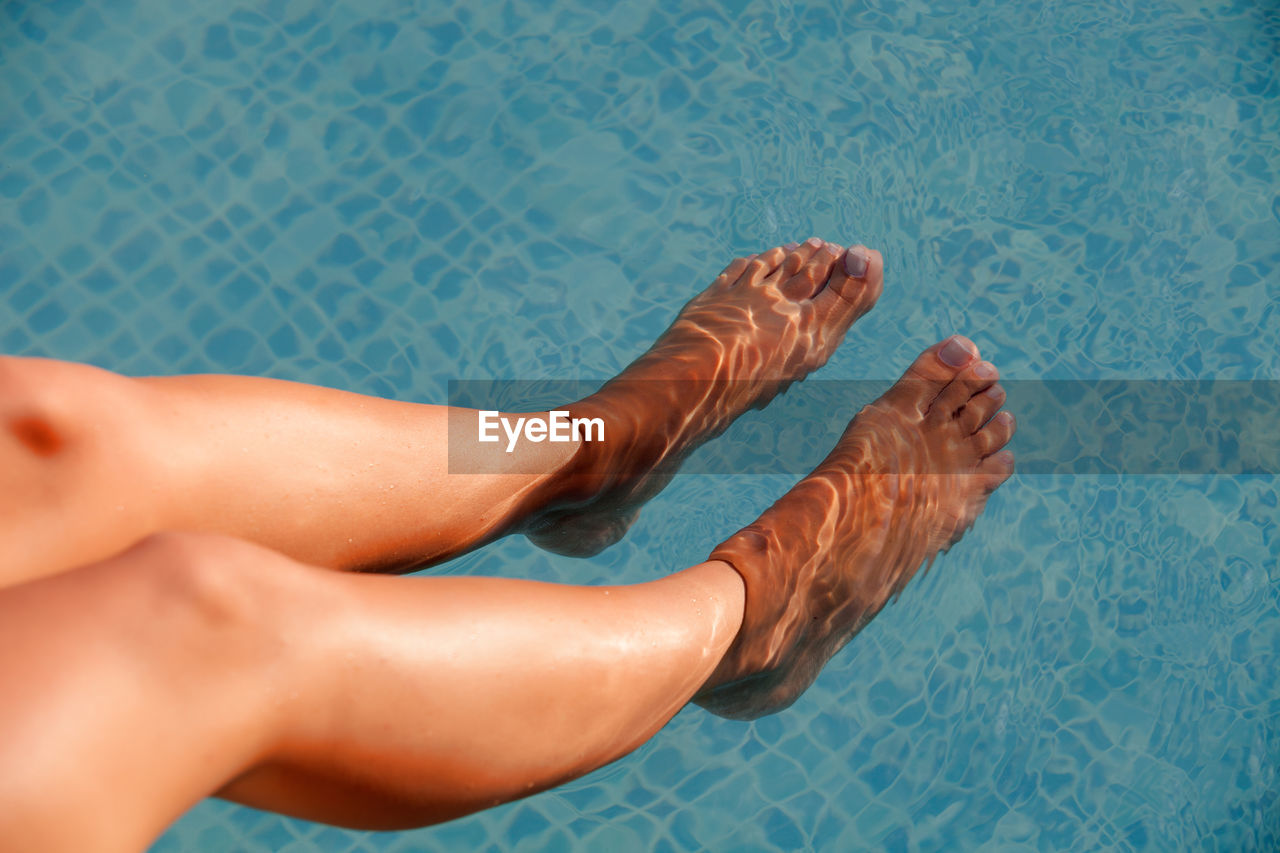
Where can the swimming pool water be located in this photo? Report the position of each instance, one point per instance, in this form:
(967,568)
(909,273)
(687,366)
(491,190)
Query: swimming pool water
(384,196)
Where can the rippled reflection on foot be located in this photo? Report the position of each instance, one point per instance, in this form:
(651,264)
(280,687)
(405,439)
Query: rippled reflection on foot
(764,323)
(908,477)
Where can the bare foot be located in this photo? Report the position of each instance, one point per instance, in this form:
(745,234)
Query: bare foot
(765,322)
(906,480)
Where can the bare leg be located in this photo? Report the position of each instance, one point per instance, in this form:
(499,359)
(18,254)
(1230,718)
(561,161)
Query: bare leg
(345,481)
(192,662)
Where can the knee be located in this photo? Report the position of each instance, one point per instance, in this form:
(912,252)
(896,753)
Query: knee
(52,407)
(210,584)
(65,414)
(27,410)
(217,606)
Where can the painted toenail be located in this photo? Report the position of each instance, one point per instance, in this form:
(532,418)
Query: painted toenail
(1005,418)
(814,242)
(833,249)
(995,392)
(955,353)
(984,370)
(856,263)
(791,247)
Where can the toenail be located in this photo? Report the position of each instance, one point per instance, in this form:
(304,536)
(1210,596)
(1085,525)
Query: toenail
(955,353)
(984,370)
(791,247)
(1005,418)
(995,392)
(1005,456)
(833,249)
(856,263)
(814,242)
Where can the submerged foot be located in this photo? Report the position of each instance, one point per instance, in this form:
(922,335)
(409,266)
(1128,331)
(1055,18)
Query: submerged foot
(906,480)
(764,323)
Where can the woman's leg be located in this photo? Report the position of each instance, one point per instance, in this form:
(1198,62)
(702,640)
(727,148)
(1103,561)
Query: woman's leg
(193,664)
(138,685)
(346,481)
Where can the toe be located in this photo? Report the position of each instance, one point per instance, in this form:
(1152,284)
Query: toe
(759,267)
(730,274)
(952,399)
(810,278)
(799,255)
(853,287)
(995,435)
(980,408)
(931,372)
(995,469)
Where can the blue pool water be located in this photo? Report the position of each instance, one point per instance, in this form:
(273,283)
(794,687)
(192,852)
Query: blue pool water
(384,196)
